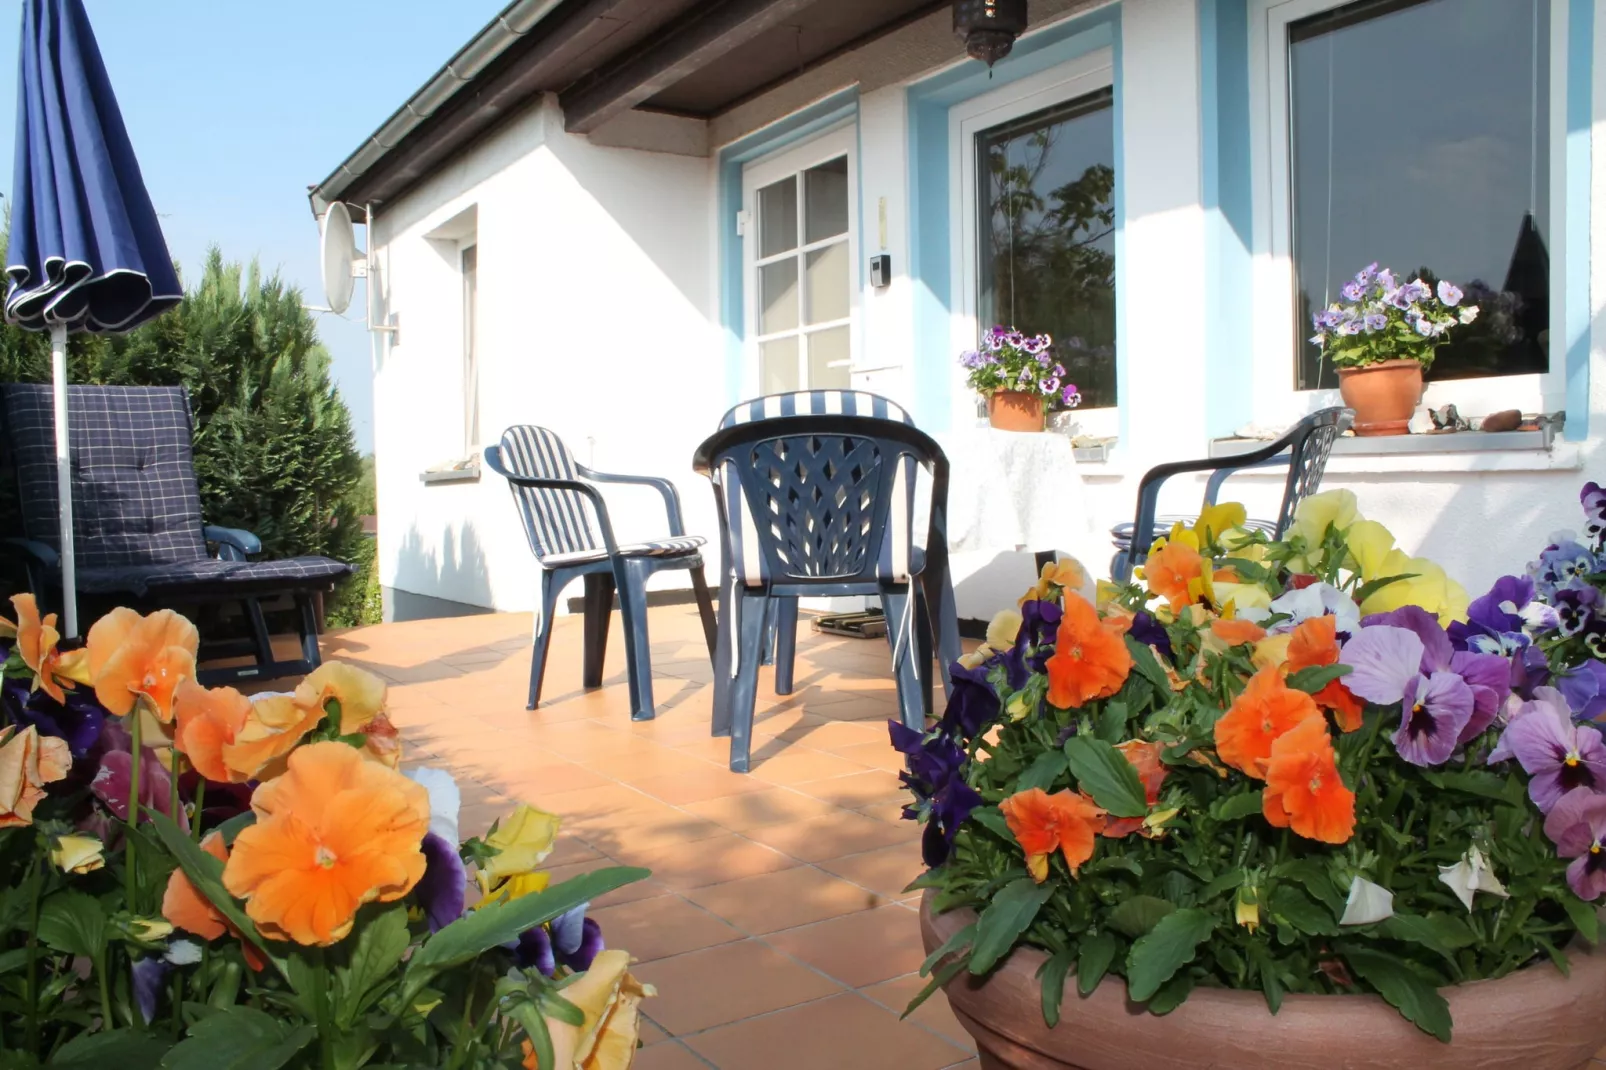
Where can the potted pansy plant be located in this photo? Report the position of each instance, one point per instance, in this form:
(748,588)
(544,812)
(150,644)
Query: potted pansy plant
(1382,335)
(1018,375)
(1302,802)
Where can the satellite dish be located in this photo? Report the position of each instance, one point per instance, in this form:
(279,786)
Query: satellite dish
(343,263)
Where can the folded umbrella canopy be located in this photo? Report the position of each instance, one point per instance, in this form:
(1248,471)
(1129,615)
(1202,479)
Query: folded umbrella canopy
(86,250)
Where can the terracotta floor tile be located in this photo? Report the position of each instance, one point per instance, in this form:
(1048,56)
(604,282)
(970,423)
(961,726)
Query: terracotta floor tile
(630,893)
(702,989)
(547,780)
(670,1055)
(934,1013)
(713,782)
(858,949)
(663,926)
(890,810)
(877,755)
(796,765)
(856,789)
(845,1032)
(835,735)
(783,900)
(887,871)
(844,833)
(770,807)
(650,1033)
(715,860)
(656,761)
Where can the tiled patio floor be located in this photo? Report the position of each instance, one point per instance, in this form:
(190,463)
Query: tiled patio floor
(774,927)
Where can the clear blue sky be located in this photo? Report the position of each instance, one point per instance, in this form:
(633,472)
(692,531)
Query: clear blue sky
(236,106)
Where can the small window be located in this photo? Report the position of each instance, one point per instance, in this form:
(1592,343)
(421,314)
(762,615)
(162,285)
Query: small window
(1419,140)
(1047,235)
(471,371)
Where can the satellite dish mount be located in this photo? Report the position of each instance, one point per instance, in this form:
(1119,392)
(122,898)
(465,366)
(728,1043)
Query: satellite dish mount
(343,264)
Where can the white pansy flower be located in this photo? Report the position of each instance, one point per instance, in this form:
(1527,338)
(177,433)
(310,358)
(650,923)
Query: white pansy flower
(444,801)
(183,953)
(1368,903)
(1470,876)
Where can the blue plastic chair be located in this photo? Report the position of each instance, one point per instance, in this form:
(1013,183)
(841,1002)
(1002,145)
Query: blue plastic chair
(1304,450)
(832,475)
(551,492)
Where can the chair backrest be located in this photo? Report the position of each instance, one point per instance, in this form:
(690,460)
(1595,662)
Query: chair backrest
(555,521)
(820,500)
(815,403)
(1310,443)
(135,500)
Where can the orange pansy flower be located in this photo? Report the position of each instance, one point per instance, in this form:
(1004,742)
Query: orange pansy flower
(1303,789)
(273,728)
(189,910)
(1090,661)
(1171,569)
(1237,631)
(28,762)
(36,645)
(1145,758)
(1044,823)
(209,719)
(335,832)
(1315,643)
(1267,708)
(131,657)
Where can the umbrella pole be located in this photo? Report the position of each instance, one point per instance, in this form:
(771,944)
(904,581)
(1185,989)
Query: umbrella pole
(69,584)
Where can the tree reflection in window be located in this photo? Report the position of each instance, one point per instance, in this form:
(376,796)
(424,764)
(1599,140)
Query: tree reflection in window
(1047,235)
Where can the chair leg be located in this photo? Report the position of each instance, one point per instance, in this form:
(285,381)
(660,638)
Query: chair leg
(942,616)
(767,656)
(785,643)
(638,648)
(309,631)
(894,601)
(543,635)
(705,609)
(260,639)
(1120,570)
(743,692)
(923,651)
(726,648)
(598,615)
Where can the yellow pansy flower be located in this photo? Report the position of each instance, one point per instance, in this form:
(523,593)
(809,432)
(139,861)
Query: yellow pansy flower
(1370,545)
(1004,628)
(77,854)
(1216,520)
(523,842)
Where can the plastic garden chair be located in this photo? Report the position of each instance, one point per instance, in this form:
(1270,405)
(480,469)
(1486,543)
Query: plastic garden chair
(551,492)
(832,474)
(1304,450)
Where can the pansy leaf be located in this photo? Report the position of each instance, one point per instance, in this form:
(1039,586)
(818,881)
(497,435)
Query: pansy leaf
(940,978)
(989,818)
(239,1038)
(1582,915)
(380,942)
(1104,773)
(540,1039)
(1314,878)
(963,938)
(1171,994)
(1164,949)
(74,924)
(1044,770)
(206,873)
(1093,958)
(232,828)
(1367,590)
(1440,936)
(1237,807)
(1315,677)
(1143,659)
(1479,782)
(1409,994)
(1111,723)
(1051,974)
(1137,914)
(1012,910)
(126,1049)
(1289,904)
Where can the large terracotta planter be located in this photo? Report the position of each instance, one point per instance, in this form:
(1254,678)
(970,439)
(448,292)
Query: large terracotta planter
(1015,410)
(1384,396)
(1534,1019)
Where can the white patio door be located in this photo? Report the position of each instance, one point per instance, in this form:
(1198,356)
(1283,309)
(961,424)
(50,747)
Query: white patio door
(801,252)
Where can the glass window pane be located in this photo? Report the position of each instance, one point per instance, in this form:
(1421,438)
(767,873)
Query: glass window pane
(777,365)
(825,200)
(830,293)
(1047,234)
(830,352)
(1419,141)
(777,217)
(778,287)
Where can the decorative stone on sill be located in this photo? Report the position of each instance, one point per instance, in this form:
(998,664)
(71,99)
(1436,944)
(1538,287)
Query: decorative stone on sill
(466,470)
(1091,450)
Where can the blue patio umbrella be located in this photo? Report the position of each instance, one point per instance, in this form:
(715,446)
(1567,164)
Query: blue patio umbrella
(86,250)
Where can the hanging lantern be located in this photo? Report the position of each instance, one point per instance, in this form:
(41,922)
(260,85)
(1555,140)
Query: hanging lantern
(989,27)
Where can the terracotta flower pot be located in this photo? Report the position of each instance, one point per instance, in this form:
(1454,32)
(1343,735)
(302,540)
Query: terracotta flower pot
(1384,396)
(1534,1019)
(1015,410)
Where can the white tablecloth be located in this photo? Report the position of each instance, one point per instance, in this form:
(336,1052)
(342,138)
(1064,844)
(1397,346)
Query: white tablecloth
(1013,491)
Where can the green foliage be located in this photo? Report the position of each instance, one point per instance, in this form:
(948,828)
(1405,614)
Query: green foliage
(274,452)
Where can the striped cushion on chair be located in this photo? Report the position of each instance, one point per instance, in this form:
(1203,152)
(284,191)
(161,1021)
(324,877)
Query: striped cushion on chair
(555,521)
(815,403)
(684,544)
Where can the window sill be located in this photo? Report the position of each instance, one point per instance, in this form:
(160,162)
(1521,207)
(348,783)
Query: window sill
(469,473)
(1463,451)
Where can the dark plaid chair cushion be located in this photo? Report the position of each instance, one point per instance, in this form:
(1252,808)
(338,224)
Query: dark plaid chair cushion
(136,510)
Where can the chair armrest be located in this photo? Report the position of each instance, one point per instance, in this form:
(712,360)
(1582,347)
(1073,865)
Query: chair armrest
(237,539)
(38,552)
(663,486)
(493,461)
(1213,487)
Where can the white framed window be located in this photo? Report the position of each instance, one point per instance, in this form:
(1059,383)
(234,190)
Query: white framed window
(468,265)
(1428,136)
(801,251)
(1033,180)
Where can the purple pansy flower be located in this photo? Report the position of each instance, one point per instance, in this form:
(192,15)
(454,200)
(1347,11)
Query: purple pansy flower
(1593,499)
(1576,609)
(1449,293)
(149,978)
(111,785)
(1577,826)
(1376,321)
(1487,676)
(1563,563)
(1034,643)
(972,702)
(79,720)
(1584,688)
(1150,632)
(1070,395)
(442,891)
(1353,291)
(1495,622)
(1435,712)
(935,774)
(1382,660)
(1530,670)
(570,940)
(1557,754)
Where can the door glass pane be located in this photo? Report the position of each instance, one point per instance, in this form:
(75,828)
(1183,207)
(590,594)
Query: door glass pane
(777,217)
(1452,185)
(1047,235)
(829,291)
(777,365)
(825,200)
(830,351)
(778,285)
